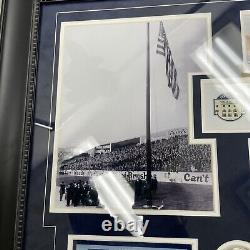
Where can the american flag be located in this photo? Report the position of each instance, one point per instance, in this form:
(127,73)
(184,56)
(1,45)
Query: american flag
(164,50)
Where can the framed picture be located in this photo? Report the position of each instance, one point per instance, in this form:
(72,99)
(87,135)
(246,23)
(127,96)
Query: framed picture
(223,109)
(245,38)
(124,129)
(120,148)
(80,242)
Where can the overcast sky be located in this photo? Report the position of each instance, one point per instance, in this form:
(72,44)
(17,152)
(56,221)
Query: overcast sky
(102,79)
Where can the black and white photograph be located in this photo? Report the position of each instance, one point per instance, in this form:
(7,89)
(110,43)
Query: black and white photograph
(245,38)
(122,108)
(92,242)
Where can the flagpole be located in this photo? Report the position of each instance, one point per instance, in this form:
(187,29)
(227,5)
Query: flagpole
(148,132)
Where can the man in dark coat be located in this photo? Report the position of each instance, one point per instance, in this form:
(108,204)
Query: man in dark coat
(138,188)
(84,196)
(75,194)
(154,184)
(148,193)
(69,193)
(93,197)
(62,190)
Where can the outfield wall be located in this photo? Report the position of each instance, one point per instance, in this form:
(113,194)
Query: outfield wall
(204,178)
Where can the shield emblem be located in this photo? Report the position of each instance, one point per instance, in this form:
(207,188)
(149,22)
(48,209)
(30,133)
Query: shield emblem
(227,109)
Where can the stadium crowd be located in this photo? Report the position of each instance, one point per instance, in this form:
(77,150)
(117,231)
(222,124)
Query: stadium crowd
(168,154)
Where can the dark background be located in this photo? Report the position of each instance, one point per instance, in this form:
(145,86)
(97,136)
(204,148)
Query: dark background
(232,152)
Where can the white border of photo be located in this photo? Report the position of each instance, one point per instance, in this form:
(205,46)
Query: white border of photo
(215,212)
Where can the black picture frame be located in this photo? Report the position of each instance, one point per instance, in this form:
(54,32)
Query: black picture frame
(18,83)
(15,33)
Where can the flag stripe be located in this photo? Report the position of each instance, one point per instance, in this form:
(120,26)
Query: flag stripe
(177,92)
(160,52)
(163,49)
(161,39)
(161,46)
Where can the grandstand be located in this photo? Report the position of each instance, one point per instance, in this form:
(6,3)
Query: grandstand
(171,152)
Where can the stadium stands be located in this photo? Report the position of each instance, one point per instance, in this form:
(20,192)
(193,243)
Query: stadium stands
(173,153)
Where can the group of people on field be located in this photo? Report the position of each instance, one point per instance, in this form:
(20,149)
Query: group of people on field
(82,194)
(78,193)
(145,190)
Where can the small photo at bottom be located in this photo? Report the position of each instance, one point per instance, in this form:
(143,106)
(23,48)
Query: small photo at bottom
(93,242)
